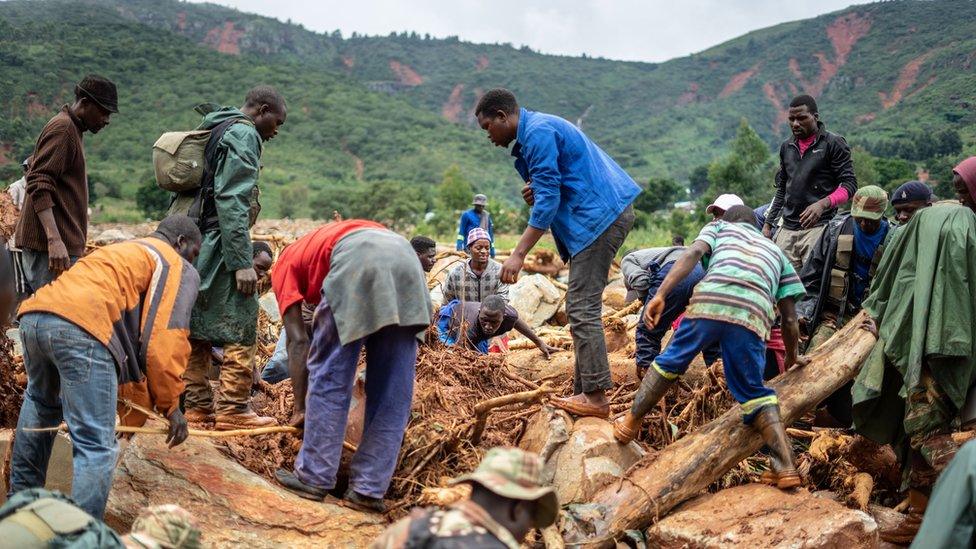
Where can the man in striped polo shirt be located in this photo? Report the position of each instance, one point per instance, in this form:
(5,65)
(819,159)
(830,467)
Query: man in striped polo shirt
(732,305)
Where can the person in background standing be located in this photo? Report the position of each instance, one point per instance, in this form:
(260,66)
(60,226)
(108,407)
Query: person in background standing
(476,218)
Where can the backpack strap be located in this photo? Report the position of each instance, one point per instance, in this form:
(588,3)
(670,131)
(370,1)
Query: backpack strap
(204,209)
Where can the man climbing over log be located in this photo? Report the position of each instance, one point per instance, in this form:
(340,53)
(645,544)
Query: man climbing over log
(732,306)
(917,383)
(585,198)
(226,311)
(508,499)
(837,275)
(114,327)
(479,322)
(478,277)
(369,291)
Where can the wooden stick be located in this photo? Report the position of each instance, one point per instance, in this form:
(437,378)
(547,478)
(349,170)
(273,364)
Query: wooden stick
(193,432)
(482,409)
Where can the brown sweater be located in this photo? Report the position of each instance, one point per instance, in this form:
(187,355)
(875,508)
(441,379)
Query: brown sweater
(57,180)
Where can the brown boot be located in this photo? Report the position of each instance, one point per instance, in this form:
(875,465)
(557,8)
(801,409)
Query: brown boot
(199,415)
(904,533)
(652,388)
(770,426)
(247,419)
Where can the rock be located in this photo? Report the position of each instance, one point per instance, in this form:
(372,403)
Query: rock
(112,236)
(535,298)
(233,506)
(59,468)
(530,364)
(615,296)
(269,304)
(763,516)
(438,274)
(580,457)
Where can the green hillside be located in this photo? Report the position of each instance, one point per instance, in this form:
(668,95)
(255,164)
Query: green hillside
(891,76)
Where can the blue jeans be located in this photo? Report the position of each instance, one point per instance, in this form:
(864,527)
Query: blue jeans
(649,341)
(391,357)
(743,357)
(276,370)
(70,376)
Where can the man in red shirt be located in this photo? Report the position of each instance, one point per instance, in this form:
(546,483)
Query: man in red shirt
(369,290)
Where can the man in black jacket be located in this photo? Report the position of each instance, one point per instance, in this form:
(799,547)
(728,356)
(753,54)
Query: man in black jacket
(815,176)
(837,275)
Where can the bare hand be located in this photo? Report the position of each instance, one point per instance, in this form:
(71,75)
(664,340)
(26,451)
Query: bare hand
(247,280)
(798,361)
(527,194)
(767,230)
(870,325)
(653,312)
(57,257)
(811,215)
(511,269)
(178,430)
(547,350)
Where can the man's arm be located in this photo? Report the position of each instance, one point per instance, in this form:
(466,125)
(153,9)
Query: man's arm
(234,182)
(51,155)
(682,268)
(773,213)
(297,337)
(842,166)
(524,329)
(791,330)
(542,159)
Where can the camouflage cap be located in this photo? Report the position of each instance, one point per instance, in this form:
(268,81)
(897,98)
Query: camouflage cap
(516,474)
(869,202)
(170,526)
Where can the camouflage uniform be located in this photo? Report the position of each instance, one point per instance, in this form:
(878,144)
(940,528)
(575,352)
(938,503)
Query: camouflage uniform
(508,472)
(164,527)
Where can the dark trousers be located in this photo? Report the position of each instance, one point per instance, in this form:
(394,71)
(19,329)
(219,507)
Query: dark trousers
(588,273)
(649,340)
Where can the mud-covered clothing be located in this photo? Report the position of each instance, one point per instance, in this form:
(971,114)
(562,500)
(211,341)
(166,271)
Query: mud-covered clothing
(222,314)
(636,268)
(456,314)
(134,298)
(464,524)
(235,378)
(807,178)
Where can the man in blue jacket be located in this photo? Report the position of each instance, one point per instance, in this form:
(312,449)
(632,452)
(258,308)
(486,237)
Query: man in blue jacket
(582,196)
(476,217)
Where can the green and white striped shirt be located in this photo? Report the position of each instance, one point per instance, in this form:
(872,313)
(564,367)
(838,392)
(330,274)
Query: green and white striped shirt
(747,274)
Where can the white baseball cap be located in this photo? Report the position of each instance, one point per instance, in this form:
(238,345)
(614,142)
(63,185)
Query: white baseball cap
(724,202)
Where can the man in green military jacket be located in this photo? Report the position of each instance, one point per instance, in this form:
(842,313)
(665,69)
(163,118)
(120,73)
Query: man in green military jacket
(225,313)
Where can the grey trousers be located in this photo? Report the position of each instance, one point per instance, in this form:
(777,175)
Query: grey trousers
(35,267)
(588,272)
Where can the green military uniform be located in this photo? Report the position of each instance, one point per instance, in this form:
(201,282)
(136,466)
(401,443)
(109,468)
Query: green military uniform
(916,379)
(508,472)
(222,314)
(40,518)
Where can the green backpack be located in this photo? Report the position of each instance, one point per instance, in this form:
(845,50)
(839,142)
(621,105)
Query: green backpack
(39,518)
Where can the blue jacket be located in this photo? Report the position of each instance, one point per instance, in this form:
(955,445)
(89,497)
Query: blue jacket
(470,220)
(579,190)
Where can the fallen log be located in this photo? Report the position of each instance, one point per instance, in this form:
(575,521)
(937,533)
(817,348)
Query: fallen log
(655,485)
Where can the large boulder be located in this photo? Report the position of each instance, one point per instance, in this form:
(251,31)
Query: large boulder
(535,298)
(580,456)
(233,506)
(756,515)
(530,364)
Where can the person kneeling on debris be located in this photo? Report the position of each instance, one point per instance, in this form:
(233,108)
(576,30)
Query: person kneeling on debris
(508,499)
(482,321)
(370,292)
(113,327)
(732,305)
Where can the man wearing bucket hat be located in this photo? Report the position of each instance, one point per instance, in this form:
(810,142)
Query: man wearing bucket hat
(837,275)
(478,277)
(476,218)
(53,227)
(508,499)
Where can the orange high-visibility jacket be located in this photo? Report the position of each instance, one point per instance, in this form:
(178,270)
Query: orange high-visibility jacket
(135,298)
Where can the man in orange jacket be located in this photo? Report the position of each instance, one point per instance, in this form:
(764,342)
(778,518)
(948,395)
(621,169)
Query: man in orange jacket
(114,327)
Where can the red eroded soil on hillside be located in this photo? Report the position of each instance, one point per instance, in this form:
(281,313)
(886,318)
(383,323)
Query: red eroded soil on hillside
(689,96)
(769,90)
(845,31)
(181,20)
(452,108)
(738,81)
(906,79)
(224,39)
(481,64)
(349,61)
(404,74)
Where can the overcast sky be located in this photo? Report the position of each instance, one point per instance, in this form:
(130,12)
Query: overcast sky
(637,30)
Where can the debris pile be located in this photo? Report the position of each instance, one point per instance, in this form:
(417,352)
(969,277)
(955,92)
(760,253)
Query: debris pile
(13,380)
